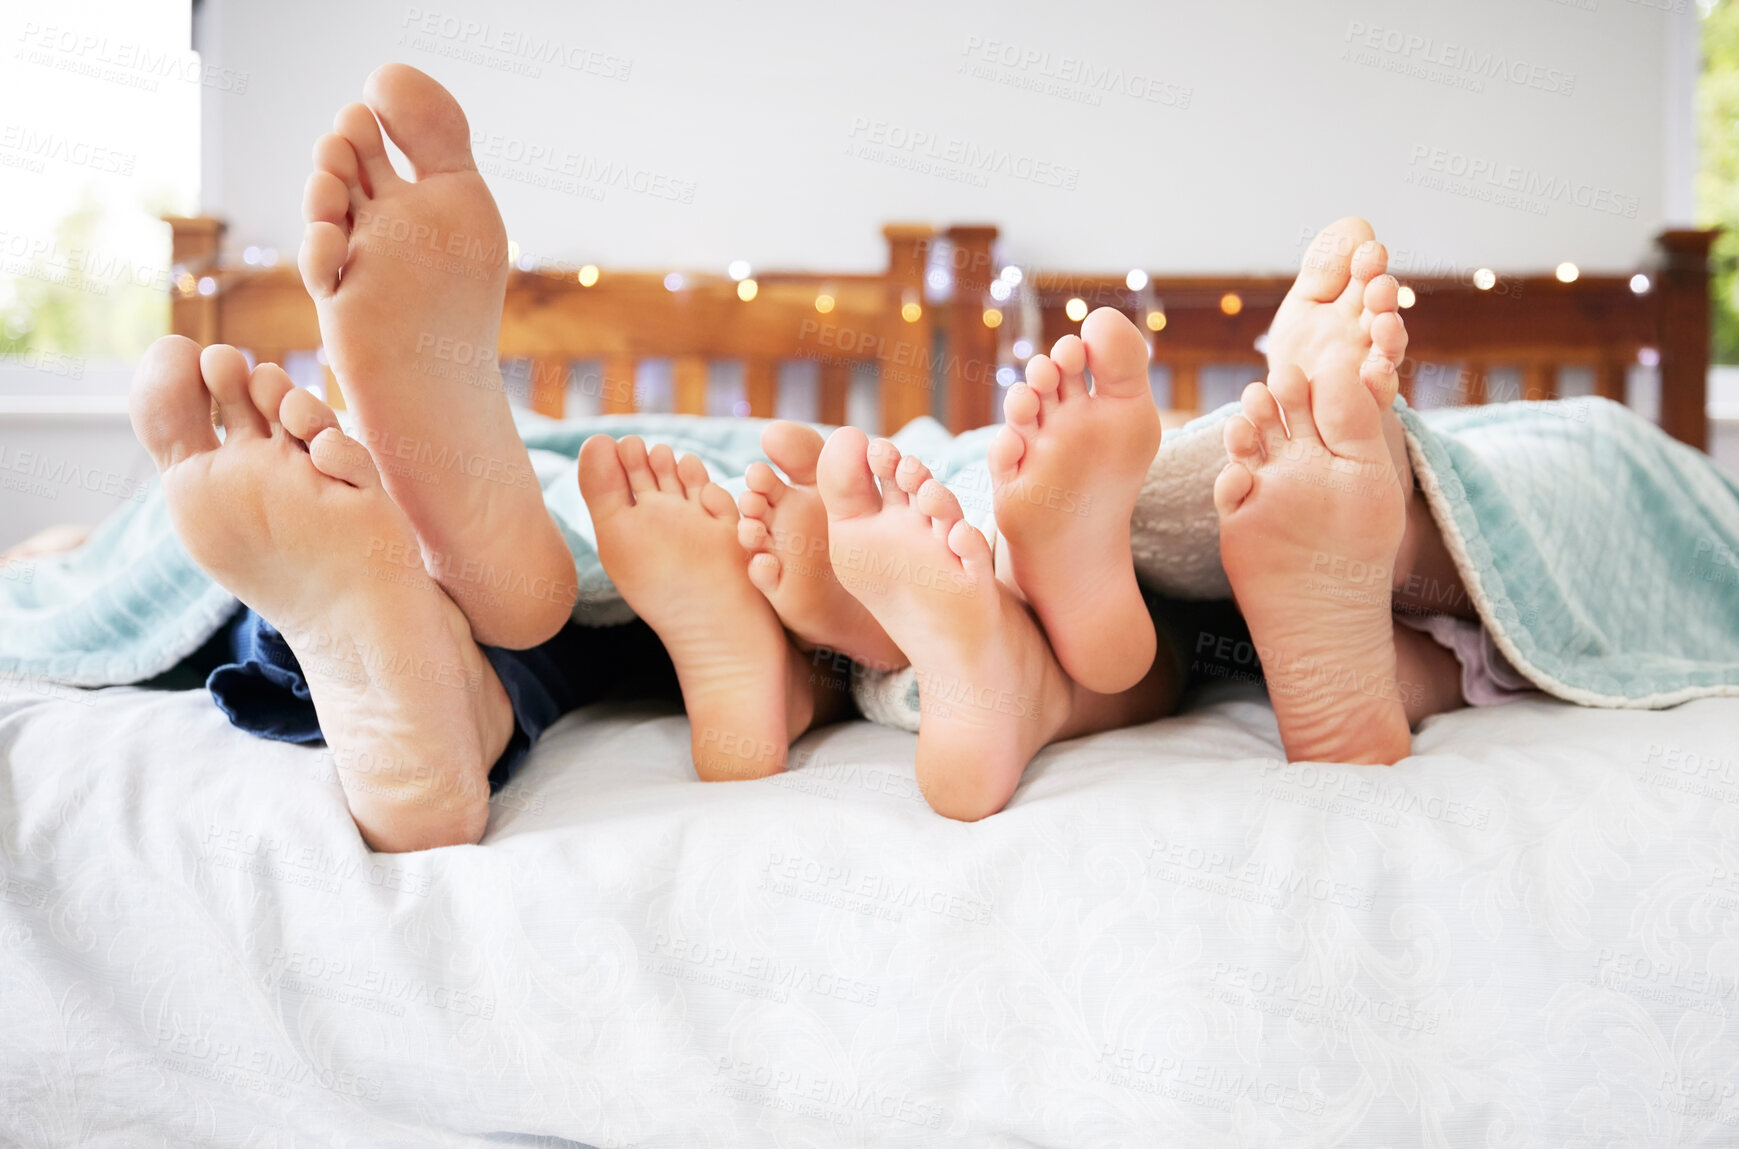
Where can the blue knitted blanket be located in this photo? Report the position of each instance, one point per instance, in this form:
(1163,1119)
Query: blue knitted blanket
(1602,555)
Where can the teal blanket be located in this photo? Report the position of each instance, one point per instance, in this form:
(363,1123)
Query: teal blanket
(1602,555)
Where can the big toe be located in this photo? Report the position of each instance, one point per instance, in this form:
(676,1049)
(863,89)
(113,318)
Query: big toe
(603,481)
(848,486)
(422,118)
(1116,354)
(794,449)
(168,402)
(1328,263)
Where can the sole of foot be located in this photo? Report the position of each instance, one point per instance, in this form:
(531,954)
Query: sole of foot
(990,691)
(784,530)
(289,515)
(1311,518)
(1067,467)
(667,537)
(408,278)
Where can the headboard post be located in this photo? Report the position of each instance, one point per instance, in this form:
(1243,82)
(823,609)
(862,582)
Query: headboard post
(194,245)
(1683,330)
(907,346)
(971,344)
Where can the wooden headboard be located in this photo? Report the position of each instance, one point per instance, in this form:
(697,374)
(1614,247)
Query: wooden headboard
(937,337)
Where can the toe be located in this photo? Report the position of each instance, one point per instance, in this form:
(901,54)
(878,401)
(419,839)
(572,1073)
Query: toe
(718,502)
(884,460)
(848,486)
(337,454)
(325,199)
(911,474)
(226,376)
(1368,261)
(1264,416)
(1328,262)
(1043,376)
(1380,378)
(1389,336)
(170,407)
(422,118)
(663,462)
(973,550)
(303,414)
(1232,487)
(693,474)
(794,449)
(1004,455)
(1020,409)
(1243,441)
(358,127)
(1382,294)
(334,156)
(1291,391)
(764,482)
(266,391)
(632,451)
(764,572)
(752,533)
(603,481)
(939,503)
(753,505)
(324,248)
(1070,356)
(1116,353)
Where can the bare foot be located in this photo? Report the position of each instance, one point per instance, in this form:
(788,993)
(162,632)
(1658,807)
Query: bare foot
(1311,518)
(784,529)
(667,537)
(1342,315)
(990,691)
(1067,468)
(288,515)
(408,278)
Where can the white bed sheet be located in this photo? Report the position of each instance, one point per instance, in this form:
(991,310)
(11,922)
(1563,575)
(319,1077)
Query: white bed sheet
(1527,934)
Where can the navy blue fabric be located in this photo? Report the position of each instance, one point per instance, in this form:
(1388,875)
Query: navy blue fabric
(261,688)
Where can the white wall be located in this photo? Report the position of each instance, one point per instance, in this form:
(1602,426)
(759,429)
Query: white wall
(761,110)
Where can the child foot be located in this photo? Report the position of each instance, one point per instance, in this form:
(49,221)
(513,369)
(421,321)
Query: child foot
(408,278)
(784,529)
(288,515)
(668,539)
(990,691)
(1342,315)
(1067,468)
(1311,516)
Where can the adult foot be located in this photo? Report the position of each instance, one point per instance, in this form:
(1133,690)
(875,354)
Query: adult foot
(289,515)
(1311,517)
(784,529)
(408,278)
(1342,315)
(667,537)
(991,693)
(1067,467)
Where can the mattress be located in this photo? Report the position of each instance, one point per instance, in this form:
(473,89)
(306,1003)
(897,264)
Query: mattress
(1526,934)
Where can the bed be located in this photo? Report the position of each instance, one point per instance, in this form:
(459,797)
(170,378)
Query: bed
(1524,935)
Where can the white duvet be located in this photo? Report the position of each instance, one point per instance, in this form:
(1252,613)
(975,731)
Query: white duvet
(1527,934)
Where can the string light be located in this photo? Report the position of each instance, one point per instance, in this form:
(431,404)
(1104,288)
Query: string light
(673,281)
(1136,280)
(747,289)
(1405,297)
(1076,309)
(1231,303)
(911,312)
(1156,320)
(738,270)
(992,317)
(1639,284)
(1485,279)
(824,303)
(1567,272)
(588,275)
